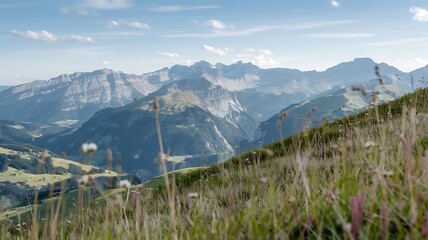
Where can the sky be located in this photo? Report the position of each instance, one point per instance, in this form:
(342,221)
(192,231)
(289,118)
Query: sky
(41,39)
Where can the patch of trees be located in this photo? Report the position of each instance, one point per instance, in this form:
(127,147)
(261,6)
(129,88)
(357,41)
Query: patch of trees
(17,148)
(76,170)
(33,165)
(3,163)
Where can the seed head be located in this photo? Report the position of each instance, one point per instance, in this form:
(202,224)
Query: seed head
(84,180)
(310,112)
(125,183)
(155,103)
(369,144)
(374,97)
(192,194)
(89,147)
(324,119)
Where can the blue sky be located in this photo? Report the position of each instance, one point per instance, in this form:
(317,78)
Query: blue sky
(44,38)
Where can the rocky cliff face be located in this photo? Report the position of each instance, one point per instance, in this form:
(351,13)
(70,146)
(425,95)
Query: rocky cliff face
(75,96)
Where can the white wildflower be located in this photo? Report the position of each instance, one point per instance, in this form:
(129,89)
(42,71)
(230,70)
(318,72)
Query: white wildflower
(369,144)
(348,227)
(263,179)
(388,173)
(83,180)
(125,183)
(192,194)
(89,147)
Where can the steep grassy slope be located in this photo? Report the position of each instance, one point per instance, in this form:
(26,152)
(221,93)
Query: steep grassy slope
(362,177)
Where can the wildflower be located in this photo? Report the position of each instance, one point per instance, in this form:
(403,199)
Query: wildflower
(374,97)
(192,194)
(424,231)
(388,173)
(125,183)
(89,147)
(310,112)
(369,144)
(263,179)
(357,213)
(324,119)
(84,180)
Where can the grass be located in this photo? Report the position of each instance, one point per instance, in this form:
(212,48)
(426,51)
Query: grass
(361,177)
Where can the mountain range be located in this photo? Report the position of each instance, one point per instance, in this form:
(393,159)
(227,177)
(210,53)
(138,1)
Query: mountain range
(200,123)
(207,112)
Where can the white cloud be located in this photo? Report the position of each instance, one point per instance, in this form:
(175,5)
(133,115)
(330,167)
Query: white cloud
(398,42)
(262,51)
(335,3)
(113,23)
(258,29)
(139,25)
(216,24)
(419,14)
(260,57)
(180,8)
(215,34)
(106,62)
(106,4)
(214,50)
(46,36)
(409,64)
(134,24)
(78,11)
(342,35)
(81,39)
(39,35)
(168,54)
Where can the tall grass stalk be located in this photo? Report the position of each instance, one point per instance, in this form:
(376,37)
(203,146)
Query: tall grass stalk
(170,188)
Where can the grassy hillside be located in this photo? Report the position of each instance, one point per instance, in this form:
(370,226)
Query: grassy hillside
(361,177)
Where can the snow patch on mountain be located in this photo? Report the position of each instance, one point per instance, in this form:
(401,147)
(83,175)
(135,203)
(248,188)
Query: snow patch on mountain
(220,135)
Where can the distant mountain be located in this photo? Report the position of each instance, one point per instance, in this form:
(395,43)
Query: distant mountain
(75,96)
(346,101)
(262,92)
(420,77)
(200,122)
(3,88)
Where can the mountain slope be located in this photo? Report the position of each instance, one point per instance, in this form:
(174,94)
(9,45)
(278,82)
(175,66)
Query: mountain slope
(335,105)
(4,88)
